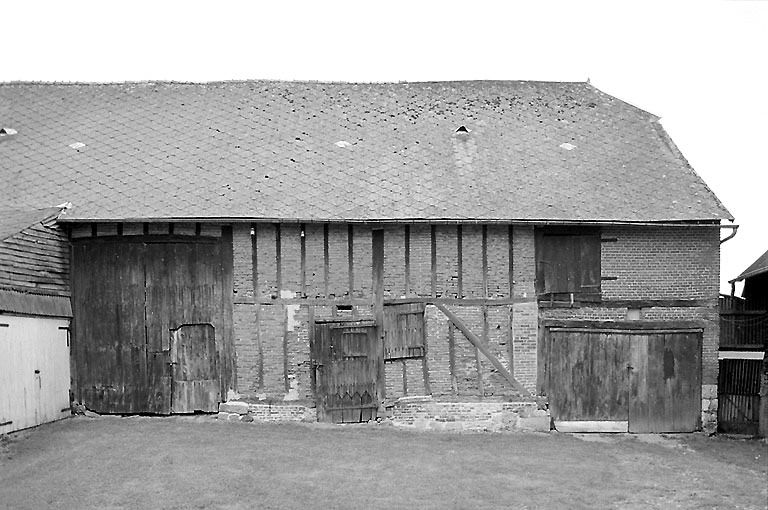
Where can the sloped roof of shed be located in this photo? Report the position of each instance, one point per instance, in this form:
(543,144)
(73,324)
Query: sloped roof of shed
(340,151)
(758,267)
(14,221)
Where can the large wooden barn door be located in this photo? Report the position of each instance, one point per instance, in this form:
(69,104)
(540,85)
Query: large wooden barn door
(347,357)
(614,380)
(109,343)
(129,298)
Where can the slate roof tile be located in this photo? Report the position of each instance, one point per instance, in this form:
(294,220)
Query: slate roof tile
(270,150)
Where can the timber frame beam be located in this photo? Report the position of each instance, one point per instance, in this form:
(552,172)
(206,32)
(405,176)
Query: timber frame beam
(483,348)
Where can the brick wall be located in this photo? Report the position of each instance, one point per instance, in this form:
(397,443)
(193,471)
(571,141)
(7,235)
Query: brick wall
(272,326)
(660,263)
(272,331)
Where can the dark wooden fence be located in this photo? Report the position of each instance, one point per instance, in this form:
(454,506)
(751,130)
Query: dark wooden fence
(740,328)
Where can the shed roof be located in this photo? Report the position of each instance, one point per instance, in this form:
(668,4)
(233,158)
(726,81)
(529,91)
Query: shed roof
(310,151)
(13,221)
(758,267)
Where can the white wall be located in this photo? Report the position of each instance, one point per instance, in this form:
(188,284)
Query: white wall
(34,371)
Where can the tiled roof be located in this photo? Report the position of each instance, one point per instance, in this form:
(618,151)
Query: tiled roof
(341,151)
(14,221)
(758,267)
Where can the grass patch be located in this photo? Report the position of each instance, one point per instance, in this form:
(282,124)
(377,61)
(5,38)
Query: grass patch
(198,462)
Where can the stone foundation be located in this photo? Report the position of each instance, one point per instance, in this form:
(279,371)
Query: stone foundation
(709,407)
(427,414)
(243,411)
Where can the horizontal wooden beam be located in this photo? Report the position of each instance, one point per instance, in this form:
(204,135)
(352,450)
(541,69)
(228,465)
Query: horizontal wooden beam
(483,348)
(630,303)
(624,325)
(369,302)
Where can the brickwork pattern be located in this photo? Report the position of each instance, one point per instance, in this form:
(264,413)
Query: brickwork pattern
(338,261)
(655,263)
(314,244)
(421,260)
(472,257)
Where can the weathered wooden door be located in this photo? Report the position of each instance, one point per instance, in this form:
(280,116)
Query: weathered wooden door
(347,358)
(635,381)
(665,382)
(588,376)
(195,374)
(128,296)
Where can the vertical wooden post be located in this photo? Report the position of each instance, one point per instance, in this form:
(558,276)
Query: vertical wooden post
(510,331)
(257,306)
(460,265)
(405,379)
(452,356)
(278,262)
(351,266)
(303,244)
(312,350)
(407,260)
(433,249)
(377,275)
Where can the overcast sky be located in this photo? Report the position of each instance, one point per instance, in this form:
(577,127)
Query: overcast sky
(702,66)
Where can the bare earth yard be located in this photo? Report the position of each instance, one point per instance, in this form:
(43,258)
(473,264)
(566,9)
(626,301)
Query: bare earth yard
(199,462)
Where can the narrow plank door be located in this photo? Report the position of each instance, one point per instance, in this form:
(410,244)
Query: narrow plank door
(347,359)
(588,376)
(195,374)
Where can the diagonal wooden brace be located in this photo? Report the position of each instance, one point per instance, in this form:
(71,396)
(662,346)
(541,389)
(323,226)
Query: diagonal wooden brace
(477,342)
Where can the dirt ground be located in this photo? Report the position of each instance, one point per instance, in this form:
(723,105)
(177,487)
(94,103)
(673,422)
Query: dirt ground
(199,462)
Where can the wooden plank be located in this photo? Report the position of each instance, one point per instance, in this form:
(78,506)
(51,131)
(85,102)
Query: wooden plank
(377,263)
(326,262)
(303,260)
(641,397)
(433,259)
(460,265)
(407,255)
(477,342)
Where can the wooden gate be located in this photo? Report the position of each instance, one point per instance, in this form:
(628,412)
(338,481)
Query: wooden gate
(625,380)
(128,296)
(195,374)
(738,396)
(347,359)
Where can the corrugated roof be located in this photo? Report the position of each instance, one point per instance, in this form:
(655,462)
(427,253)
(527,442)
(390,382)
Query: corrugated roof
(341,151)
(758,267)
(14,221)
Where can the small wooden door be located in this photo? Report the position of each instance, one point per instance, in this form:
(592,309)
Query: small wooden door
(195,373)
(347,359)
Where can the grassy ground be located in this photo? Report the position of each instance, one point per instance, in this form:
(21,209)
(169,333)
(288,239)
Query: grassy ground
(198,462)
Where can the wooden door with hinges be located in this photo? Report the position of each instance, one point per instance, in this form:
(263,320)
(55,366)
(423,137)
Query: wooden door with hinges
(347,358)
